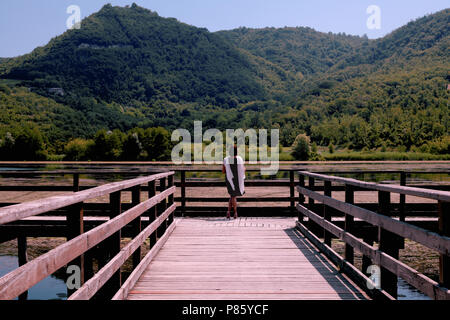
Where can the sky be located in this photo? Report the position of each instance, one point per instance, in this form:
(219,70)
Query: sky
(27,24)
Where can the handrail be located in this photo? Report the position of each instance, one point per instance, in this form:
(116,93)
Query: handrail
(32,208)
(21,279)
(92,286)
(429,239)
(24,277)
(205,169)
(390,231)
(412,191)
(426,285)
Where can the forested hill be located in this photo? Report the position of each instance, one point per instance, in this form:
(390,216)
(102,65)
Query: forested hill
(128,67)
(124,54)
(300,50)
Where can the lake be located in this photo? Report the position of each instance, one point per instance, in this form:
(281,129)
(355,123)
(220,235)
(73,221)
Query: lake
(51,288)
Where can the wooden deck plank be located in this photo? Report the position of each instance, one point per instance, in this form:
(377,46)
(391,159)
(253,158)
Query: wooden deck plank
(249,258)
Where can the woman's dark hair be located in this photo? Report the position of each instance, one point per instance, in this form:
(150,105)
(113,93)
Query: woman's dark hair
(234,150)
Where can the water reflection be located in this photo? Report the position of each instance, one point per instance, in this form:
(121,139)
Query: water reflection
(408,292)
(51,288)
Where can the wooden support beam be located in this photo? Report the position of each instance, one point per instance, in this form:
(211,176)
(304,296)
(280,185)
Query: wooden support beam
(326,214)
(183,192)
(136,224)
(23,259)
(170,199)
(76,182)
(388,243)
(75,227)
(311,183)
(112,247)
(366,260)
(444,230)
(153,212)
(162,206)
(401,208)
(292,190)
(349,221)
(301,197)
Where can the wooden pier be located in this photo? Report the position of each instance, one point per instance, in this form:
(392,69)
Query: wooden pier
(243,259)
(270,252)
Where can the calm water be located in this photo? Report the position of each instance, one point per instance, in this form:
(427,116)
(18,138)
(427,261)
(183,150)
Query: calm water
(51,288)
(408,292)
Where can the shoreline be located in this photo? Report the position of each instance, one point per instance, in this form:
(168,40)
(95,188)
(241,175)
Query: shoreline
(212,163)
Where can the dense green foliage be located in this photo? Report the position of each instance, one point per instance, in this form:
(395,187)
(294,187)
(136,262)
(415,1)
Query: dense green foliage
(132,54)
(300,148)
(128,71)
(153,144)
(303,51)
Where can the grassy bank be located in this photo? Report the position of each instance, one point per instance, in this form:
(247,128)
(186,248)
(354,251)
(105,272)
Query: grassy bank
(380,156)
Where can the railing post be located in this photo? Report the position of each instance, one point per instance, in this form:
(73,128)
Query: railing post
(183,192)
(349,219)
(292,191)
(23,258)
(162,206)
(136,224)
(88,264)
(171,198)
(112,247)
(401,213)
(326,213)
(75,227)
(164,203)
(388,243)
(153,212)
(301,197)
(310,201)
(76,182)
(444,230)
(402,197)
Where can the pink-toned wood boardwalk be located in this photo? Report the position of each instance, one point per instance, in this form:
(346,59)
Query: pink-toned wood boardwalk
(247,258)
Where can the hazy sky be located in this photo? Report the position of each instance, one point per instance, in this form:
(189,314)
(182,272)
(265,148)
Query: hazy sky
(26,24)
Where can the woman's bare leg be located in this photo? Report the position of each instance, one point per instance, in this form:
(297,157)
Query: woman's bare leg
(235,207)
(230,204)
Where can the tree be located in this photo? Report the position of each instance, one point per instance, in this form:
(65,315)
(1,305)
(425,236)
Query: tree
(108,145)
(156,144)
(7,147)
(78,149)
(132,147)
(331,148)
(29,144)
(300,148)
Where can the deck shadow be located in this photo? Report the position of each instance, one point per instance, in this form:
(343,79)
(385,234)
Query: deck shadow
(344,287)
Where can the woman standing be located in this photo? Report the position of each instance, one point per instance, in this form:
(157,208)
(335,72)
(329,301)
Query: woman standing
(234,169)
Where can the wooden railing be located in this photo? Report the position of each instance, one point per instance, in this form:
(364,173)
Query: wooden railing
(390,233)
(288,209)
(284,205)
(151,219)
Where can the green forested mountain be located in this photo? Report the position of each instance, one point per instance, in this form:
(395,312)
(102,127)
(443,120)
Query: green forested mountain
(127,67)
(303,51)
(125,54)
